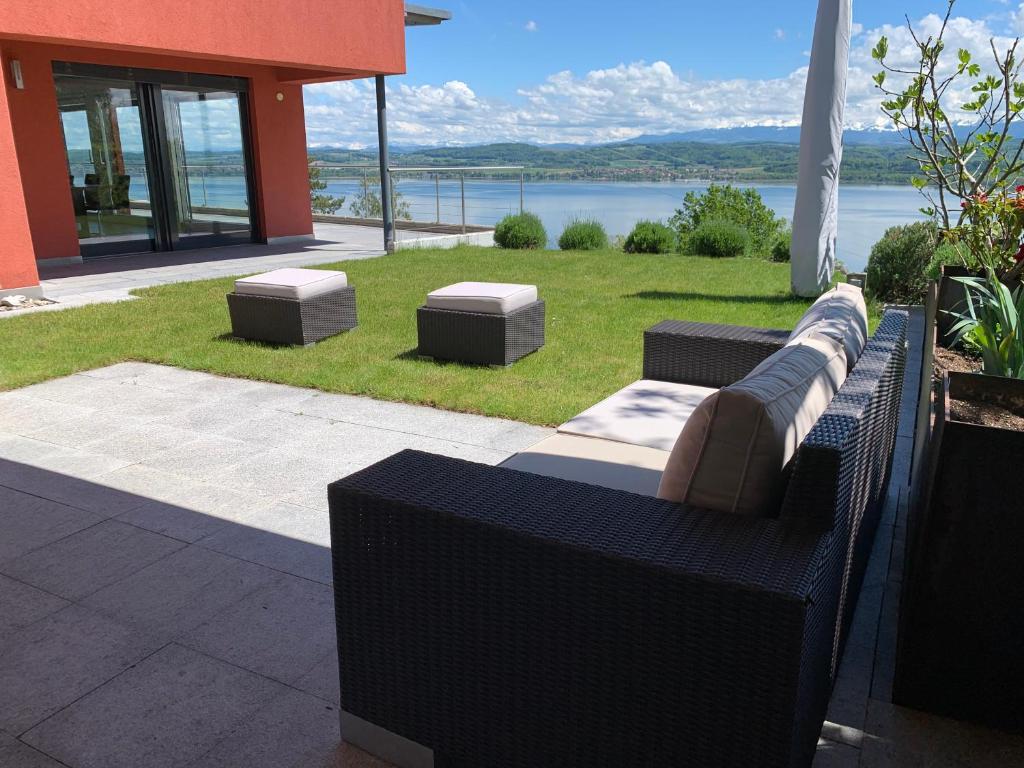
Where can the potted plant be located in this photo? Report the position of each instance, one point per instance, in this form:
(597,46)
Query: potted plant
(962,607)
(966,153)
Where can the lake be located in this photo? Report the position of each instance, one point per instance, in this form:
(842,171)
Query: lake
(865,212)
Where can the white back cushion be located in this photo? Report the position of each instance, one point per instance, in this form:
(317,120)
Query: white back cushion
(733,450)
(841,314)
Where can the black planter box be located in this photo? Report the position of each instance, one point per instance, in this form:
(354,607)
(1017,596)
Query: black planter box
(961,641)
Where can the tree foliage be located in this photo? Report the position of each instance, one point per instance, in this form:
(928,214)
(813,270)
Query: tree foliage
(965,152)
(726,203)
(319,201)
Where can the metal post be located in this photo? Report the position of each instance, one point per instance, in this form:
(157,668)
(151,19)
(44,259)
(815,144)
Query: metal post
(206,203)
(462,190)
(522,181)
(437,198)
(387,212)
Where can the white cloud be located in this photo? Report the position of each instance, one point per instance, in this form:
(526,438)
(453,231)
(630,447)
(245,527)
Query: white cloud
(780,34)
(618,102)
(531,26)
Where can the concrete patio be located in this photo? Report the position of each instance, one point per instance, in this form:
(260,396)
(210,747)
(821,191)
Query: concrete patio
(165,581)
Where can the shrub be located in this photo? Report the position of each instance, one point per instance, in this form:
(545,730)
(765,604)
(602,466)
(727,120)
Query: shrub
(583,235)
(897,267)
(719,238)
(945,254)
(521,230)
(781,246)
(650,237)
(728,203)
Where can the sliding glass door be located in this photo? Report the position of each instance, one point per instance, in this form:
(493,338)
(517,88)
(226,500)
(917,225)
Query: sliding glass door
(156,160)
(207,165)
(107,164)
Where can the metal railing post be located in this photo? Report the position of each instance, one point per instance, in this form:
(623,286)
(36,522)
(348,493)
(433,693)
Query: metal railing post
(437,198)
(462,190)
(206,203)
(522,183)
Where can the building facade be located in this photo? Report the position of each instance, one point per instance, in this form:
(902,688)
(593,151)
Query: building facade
(162,125)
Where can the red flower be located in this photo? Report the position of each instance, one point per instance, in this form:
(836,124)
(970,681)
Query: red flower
(963,204)
(1019,256)
(1020,188)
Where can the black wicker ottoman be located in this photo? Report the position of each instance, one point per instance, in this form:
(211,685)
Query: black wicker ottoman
(481,323)
(292,306)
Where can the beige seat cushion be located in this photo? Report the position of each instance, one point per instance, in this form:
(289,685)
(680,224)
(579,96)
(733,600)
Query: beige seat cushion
(647,412)
(597,462)
(841,314)
(733,451)
(484,298)
(291,283)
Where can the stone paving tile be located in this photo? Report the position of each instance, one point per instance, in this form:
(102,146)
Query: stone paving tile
(17,754)
(167,377)
(22,605)
(420,420)
(275,631)
(140,441)
(122,371)
(274,396)
(322,680)
(281,471)
(29,522)
(51,663)
(133,400)
(210,415)
(294,730)
(19,448)
(202,458)
(271,428)
(77,464)
(178,593)
(284,537)
(91,559)
(197,511)
(91,495)
(26,414)
(165,711)
(87,430)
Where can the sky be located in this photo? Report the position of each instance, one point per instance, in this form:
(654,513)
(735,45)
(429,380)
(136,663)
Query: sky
(569,71)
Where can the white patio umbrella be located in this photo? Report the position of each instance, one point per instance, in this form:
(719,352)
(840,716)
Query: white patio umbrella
(813,252)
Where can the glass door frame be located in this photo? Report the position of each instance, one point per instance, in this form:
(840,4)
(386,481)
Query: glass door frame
(149,83)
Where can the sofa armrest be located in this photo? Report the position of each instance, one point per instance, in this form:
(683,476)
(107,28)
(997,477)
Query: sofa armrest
(706,354)
(484,612)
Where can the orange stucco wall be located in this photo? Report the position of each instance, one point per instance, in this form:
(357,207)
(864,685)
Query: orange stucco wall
(342,36)
(17,265)
(275,44)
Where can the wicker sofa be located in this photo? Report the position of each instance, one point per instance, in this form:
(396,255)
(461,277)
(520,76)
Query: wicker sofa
(494,617)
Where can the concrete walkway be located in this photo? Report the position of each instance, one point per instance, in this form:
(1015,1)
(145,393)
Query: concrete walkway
(112,279)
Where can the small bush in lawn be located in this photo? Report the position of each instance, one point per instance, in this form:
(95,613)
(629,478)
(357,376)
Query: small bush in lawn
(520,230)
(781,246)
(650,237)
(898,265)
(719,239)
(583,235)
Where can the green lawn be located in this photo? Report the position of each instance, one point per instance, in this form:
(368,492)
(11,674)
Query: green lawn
(598,305)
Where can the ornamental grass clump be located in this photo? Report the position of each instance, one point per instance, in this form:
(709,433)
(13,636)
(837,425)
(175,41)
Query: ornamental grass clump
(650,237)
(520,231)
(719,239)
(992,321)
(583,235)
